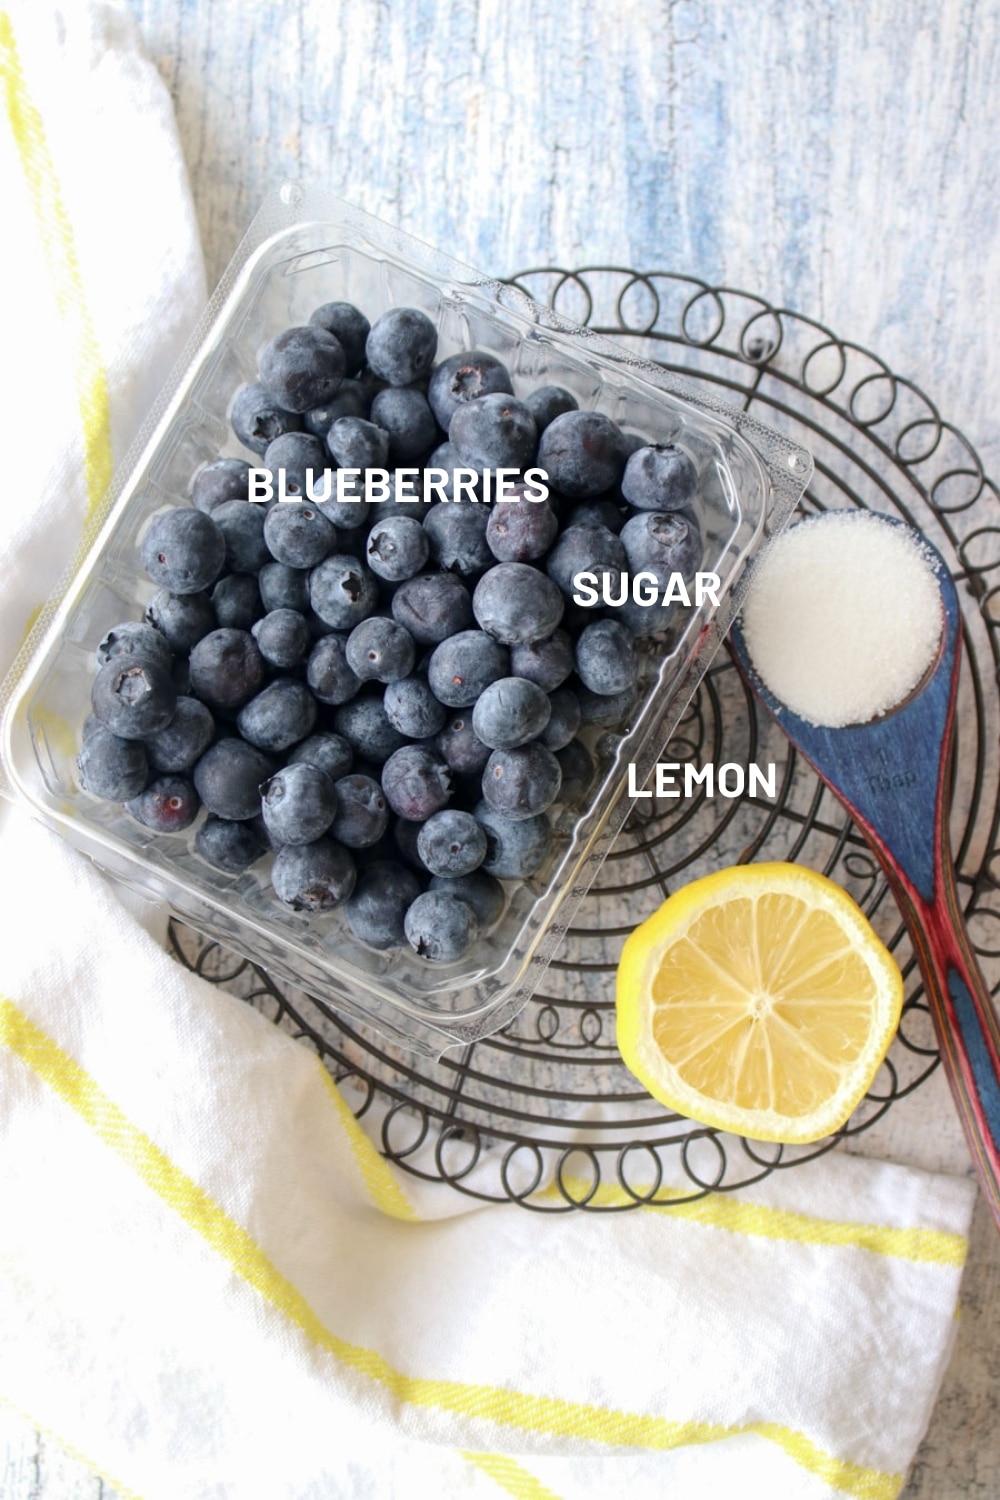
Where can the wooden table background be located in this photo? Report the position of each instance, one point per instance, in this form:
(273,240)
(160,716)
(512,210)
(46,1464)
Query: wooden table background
(840,160)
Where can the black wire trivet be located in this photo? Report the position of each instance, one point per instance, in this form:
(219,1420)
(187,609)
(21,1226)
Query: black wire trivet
(548,1100)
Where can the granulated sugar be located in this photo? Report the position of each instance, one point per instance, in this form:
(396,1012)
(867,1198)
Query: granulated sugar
(843,617)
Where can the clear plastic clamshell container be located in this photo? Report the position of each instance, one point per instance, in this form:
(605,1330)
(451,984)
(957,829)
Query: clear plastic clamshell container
(304,249)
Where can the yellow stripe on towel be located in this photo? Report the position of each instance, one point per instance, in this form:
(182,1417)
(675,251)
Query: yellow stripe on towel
(56,234)
(936,1247)
(517,1410)
(376,1172)
(510,1476)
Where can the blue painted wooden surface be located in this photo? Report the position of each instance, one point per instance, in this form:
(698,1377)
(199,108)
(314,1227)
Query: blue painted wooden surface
(838,159)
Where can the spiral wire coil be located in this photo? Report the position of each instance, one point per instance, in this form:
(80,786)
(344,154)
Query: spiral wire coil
(544,1113)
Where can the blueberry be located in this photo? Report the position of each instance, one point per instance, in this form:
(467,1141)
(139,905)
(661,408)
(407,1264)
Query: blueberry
(228,846)
(182,619)
(376,910)
(227,669)
(351,400)
(366,727)
(587,549)
(298,804)
(456,535)
(242,527)
(402,345)
(599,512)
(258,419)
(660,477)
(547,662)
(349,327)
(406,418)
(464,377)
(397,547)
(515,850)
(300,536)
(362,815)
(548,402)
(283,638)
(511,711)
(451,842)
(515,603)
(355,443)
(416,782)
(578,771)
(494,432)
(225,479)
(111,767)
(329,751)
(136,638)
(522,782)
(133,696)
(464,665)
(236,601)
(605,658)
(663,542)
(460,747)
(342,591)
(583,453)
(280,715)
(184,740)
(313,877)
(168,805)
(282,587)
(411,706)
(328,673)
(520,530)
(183,550)
(607,709)
(302,459)
(439,927)
(302,367)
(482,892)
(380,650)
(228,778)
(432,606)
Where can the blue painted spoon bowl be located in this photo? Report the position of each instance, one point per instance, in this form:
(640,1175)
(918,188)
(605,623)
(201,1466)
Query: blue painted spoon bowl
(892,774)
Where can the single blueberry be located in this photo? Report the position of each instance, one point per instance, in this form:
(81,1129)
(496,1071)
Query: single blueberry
(328,673)
(661,543)
(457,538)
(583,453)
(168,805)
(225,479)
(510,712)
(228,846)
(182,619)
(349,327)
(522,782)
(110,767)
(226,668)
(284,587)
(236,601)
(515,603)
(587,549)
(351,400)
(520,530)
(397,547)
(133,696)
(355,443)
(494,432)
(412,707)
(136,638)
(300,536)
(464,377)
(515,850)
(464,665)
(451,842)
(460,746)
(342,591)
(283,638)
(482,892)
(376,910)
(416,782)
(439,927)
(362,815)
(298,804)
(605,658)
(401,346)
(183,550)
(280,715)
(564,719)
(404,415)
(432,606)
(366,727)
(547,662)
(660,477)
(313,877)
(548,402)
(380,650)
(329,751)
(228,778)
(302,367)
(301,458)
(242,527)
(258,419)
(184,740)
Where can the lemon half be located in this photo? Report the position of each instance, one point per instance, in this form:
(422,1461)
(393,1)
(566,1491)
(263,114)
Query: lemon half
(758,1000)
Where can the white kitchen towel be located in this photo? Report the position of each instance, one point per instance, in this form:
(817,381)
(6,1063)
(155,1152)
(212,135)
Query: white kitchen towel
(212,1287)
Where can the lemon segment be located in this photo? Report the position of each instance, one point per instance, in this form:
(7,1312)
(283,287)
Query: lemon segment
(758,1000)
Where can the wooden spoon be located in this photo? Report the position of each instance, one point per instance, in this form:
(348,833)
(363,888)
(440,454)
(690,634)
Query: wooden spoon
(892,776)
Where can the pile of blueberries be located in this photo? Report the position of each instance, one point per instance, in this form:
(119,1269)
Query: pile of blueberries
(388,695)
